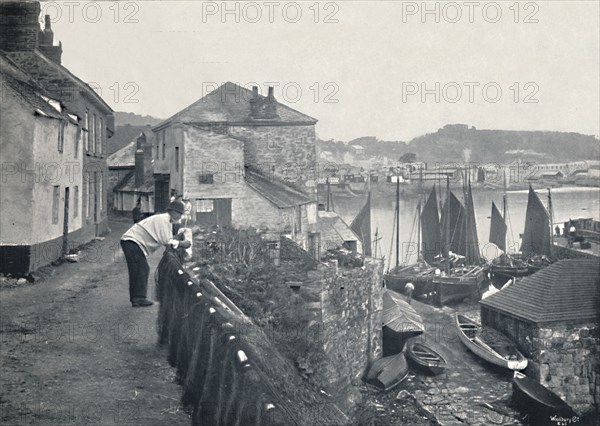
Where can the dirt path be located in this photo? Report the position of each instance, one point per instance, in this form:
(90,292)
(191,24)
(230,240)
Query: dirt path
(74,351)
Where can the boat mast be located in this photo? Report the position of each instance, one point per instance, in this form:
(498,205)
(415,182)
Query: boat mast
(419,248)
(551,220)
(447,230)
(397,218)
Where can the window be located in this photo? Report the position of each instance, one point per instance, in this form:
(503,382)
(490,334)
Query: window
(205,179)
(75,201)
(86,128)
(61,135)
(298,219)
(76,141)
(100,126)
(89,193)
(164,147)
(55,202)
(100,196)
(92,130)
(205,206)
(176,158)
(95,134)
(157,144)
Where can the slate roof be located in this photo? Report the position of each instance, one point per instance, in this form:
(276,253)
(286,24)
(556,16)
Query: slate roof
(29,90)
(54,77)
(275,192)
(333,229)
(127,184)
(568,290)
(230,103)
(125,157)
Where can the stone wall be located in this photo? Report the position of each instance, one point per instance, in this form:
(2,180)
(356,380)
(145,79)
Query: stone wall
(230,371)
(569,364)
(564,358)
(351,309)
(288,152)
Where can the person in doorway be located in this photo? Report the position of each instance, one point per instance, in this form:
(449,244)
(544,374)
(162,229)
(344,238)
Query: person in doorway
(137,211)
(409,287)
(143,239)
(557,230)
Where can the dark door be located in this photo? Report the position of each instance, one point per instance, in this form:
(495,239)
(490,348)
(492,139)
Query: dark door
(65,244)
(212,212)
(223,210)
(161,194)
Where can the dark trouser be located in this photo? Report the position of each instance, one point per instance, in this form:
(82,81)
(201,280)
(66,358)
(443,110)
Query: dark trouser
(138,270)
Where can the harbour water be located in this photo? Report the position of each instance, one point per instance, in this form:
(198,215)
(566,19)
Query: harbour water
(567,202)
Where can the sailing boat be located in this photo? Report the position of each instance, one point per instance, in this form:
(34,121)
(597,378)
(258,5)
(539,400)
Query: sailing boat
(536,243)
(462,278)
(506,265)
(420,274)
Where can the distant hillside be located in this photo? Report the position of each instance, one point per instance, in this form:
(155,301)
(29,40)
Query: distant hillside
(122,118)
(460,143)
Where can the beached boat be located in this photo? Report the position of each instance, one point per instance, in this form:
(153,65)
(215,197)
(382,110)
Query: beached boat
(489,344)
(388,372)
(538,402)
(426,358)
(419,274)
(458,282)
(507,265)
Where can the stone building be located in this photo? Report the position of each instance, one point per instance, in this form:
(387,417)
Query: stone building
(33,51)
(242,160)
(130,177)
(553,316)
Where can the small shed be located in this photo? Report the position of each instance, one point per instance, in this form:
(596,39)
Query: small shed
(553,316)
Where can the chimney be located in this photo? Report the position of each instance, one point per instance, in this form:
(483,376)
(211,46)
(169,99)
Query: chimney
(139,160)
(19,28)
(262,108)
(46,42)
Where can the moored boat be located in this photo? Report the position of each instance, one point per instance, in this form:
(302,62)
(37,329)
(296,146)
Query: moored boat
(388,372)
(459,284)
(489,344)
(426,358)
(542,405)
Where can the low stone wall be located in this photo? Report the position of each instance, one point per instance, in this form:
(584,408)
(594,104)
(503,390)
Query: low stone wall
(351,309)
(229,370)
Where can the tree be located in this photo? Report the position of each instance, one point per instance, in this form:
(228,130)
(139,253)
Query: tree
(409,157)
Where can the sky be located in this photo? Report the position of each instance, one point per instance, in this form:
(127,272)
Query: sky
(393,70)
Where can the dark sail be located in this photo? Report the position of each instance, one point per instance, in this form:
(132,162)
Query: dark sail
(456,226)
(361,225)
(471,240)
(498,229)
(430,228)
(536,237)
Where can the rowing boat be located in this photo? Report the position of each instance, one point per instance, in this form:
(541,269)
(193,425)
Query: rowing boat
(388,372)
(489,344)
(426,358)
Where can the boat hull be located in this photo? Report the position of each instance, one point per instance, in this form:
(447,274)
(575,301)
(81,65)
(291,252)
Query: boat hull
(538,402)
(455,288)
(422,281)
(469,333)
(425,358)
(387,373)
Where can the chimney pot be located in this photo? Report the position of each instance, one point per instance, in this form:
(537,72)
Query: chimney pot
(47,23)
(255,91)
(271,95)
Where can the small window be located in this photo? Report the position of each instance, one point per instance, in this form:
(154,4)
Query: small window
(164,146)
(176,158)
(75,201)
(100,136)
(205,206)
(89,194)
(206,179)
(92,131)
(61,136)
(86,128)
(298,219)
(100,197)
(55,202)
